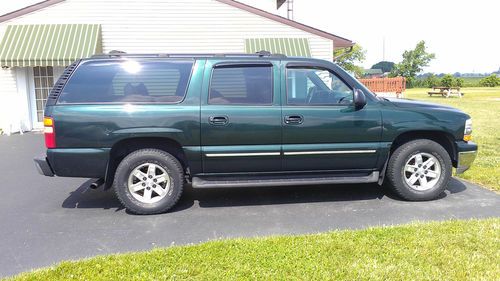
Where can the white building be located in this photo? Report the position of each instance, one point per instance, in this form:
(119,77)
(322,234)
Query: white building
(38,41)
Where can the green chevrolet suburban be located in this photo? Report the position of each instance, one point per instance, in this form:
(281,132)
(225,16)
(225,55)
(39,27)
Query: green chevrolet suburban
(146,125)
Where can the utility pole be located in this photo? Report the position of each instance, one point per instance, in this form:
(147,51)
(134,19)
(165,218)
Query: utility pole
(383,48)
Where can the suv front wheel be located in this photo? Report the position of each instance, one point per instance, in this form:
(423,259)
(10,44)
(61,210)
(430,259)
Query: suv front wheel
(149,181)
(419,170)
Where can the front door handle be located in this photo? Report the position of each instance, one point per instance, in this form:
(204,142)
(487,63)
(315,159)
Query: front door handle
(294,119)
(218,120)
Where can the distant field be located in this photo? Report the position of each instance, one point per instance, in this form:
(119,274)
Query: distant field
(483,104)
(471,81)
(468,81)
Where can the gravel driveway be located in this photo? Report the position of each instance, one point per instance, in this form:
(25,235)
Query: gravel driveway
(45,220)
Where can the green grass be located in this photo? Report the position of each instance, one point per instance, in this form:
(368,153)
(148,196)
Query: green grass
(483,104)
(453,250)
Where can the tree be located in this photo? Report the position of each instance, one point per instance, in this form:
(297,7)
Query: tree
(386,66)
(490,81)
(413,62)
(447,80)
(431,81)
(349,60)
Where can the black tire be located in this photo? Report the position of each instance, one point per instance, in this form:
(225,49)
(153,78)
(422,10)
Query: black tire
(158,157)
(396,174)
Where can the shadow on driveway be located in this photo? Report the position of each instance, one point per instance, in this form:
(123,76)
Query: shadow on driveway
(84,197)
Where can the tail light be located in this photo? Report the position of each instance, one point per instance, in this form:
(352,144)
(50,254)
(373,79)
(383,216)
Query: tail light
(49,132)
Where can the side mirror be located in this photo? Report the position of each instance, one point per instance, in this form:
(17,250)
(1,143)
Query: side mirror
(359,99)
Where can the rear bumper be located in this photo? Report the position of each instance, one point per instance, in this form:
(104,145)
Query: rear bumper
(78,162)
(467,152)
(43,166)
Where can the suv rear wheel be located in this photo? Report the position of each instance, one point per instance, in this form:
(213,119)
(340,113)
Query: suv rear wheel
(419,170)
(149,181)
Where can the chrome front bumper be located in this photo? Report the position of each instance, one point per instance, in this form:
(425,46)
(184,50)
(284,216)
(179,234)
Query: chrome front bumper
(465,159)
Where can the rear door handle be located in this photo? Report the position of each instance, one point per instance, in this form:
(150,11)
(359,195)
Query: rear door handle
(218,120)
(294,119)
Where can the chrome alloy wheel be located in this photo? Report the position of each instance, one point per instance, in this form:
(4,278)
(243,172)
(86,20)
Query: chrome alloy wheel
(149,183)
(422,171)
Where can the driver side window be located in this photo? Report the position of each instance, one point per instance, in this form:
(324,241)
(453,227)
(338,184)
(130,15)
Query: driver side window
(315,86)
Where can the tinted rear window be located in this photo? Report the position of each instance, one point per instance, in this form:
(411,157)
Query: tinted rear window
(242,85)
(128,81)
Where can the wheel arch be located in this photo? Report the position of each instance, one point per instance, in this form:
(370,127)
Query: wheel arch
(125,146)
(445,139)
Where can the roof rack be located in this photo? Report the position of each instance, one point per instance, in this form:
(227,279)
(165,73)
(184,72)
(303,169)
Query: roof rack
(260,54)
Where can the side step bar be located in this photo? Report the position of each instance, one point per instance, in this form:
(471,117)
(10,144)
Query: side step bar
(206,182)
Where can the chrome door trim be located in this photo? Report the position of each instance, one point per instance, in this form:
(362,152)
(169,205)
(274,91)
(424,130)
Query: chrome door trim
(329,152)
(249,154)
(243,154)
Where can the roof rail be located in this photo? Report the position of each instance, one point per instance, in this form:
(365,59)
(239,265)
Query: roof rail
(117,53)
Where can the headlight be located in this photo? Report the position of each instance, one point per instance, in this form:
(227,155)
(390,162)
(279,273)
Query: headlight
(468,130)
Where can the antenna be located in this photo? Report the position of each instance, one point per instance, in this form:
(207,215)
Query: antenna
(289,9)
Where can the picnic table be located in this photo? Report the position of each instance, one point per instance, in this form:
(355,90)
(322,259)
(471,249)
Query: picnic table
(446,91)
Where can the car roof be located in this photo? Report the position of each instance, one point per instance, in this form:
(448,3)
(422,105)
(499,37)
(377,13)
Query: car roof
(262,55)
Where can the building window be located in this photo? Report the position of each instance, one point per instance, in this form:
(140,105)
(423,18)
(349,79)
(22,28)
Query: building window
(44,80)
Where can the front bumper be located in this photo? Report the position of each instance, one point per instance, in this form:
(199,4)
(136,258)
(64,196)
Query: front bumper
(43,166)
(467,152)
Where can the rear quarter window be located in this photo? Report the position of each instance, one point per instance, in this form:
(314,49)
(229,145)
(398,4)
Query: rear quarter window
(128,81)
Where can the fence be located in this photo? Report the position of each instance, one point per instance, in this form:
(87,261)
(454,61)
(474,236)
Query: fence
(386,85)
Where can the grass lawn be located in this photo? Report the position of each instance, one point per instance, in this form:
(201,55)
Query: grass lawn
(452,250)
(483,104)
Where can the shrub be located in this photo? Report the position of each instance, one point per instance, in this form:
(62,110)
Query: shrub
(431,81)
(447,80)
(490,81)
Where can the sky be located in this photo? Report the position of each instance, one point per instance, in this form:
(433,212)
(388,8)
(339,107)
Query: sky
(11,5)
(463,34)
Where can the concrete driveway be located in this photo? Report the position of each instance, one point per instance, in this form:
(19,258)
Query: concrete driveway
(45,220)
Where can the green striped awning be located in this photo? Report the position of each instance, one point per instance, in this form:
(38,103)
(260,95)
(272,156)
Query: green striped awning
(295,47)
(49,44)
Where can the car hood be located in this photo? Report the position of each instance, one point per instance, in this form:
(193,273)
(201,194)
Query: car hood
(406,103)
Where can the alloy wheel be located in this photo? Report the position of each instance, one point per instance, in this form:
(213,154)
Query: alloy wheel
(149,183)
(422,171)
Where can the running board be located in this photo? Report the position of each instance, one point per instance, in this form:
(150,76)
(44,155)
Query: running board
(207,182)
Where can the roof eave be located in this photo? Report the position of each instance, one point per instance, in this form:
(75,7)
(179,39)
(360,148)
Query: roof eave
(28,9)
(339,42)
